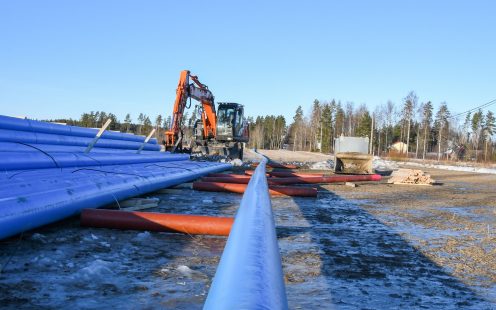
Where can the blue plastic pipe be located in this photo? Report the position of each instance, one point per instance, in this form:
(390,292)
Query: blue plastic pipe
(63,193)
(35,147)
(249,275)
(7,135)
(39,160)
(19,124)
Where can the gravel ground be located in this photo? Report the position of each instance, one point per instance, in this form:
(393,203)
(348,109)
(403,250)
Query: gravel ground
(376,246)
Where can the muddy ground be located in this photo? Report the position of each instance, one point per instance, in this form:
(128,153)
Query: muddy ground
(376,246)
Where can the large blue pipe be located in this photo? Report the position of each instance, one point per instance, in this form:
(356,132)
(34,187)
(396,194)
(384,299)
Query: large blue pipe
(39,160)
(36,147)
(7,135)
(19,124)
(17,182)
(249,275)
(63,194)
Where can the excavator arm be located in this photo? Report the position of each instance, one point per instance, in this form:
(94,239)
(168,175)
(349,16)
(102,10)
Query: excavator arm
(200,92)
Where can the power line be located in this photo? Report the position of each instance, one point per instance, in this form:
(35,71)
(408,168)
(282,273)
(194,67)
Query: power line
(485,105)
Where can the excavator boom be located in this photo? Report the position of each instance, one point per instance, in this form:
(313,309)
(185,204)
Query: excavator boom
(199,92)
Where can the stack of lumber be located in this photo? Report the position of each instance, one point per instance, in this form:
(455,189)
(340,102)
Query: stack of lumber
(411,177)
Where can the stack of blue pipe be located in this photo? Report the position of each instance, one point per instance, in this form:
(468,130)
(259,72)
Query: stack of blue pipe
(46,176)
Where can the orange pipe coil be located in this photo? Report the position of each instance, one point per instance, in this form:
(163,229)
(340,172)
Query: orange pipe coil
(178,223)
(240,189)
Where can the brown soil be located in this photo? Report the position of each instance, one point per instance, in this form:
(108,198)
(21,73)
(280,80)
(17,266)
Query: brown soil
(457,220)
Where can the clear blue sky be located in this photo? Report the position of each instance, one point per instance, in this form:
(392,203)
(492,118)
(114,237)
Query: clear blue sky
(63,58)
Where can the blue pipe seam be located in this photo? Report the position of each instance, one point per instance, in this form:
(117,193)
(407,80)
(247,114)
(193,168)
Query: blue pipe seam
(249,275)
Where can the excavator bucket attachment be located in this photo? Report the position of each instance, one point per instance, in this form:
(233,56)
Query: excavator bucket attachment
(353,163)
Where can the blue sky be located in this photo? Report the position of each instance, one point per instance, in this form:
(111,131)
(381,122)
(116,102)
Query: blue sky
(63,58)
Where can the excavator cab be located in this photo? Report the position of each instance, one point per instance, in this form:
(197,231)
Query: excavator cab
(231,125)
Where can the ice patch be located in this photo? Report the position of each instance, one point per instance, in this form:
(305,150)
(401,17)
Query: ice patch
(185,270)
(98,271)
(38,237)
(142,235)
(105,244)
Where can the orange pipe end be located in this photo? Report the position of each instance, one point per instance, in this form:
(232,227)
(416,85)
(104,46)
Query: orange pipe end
(178,223)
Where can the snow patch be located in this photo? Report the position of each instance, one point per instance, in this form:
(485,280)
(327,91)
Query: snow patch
(237,162)
(323,165)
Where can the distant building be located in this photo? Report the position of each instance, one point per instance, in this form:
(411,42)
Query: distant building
(399,147)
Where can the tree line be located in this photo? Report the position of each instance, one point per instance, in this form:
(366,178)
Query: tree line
(142,126)
(425,133)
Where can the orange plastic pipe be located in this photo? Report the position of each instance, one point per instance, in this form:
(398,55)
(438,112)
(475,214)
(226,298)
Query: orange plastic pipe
(299,180)
(226,175)
(240,189)
(179,223)
(250,172)
(286,174)
(244,179)
(325,179)
(274,164)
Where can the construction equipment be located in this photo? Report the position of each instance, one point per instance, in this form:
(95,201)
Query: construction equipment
(351,155)
(222,132)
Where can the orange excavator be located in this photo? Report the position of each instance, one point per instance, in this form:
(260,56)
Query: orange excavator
(223,132)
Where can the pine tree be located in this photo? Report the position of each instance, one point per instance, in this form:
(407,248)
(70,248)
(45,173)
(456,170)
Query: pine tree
(365,123)
(408,108)
(442,117)
(426,123)
(315,125)
(340,120)
(490,126)
(296,127)
(477,128)
(141,119)
(128,121)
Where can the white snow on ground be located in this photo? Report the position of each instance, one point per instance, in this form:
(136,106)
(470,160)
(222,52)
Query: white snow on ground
(322,165)
(452,168)
(379,163)
(237,162)
(388,164)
